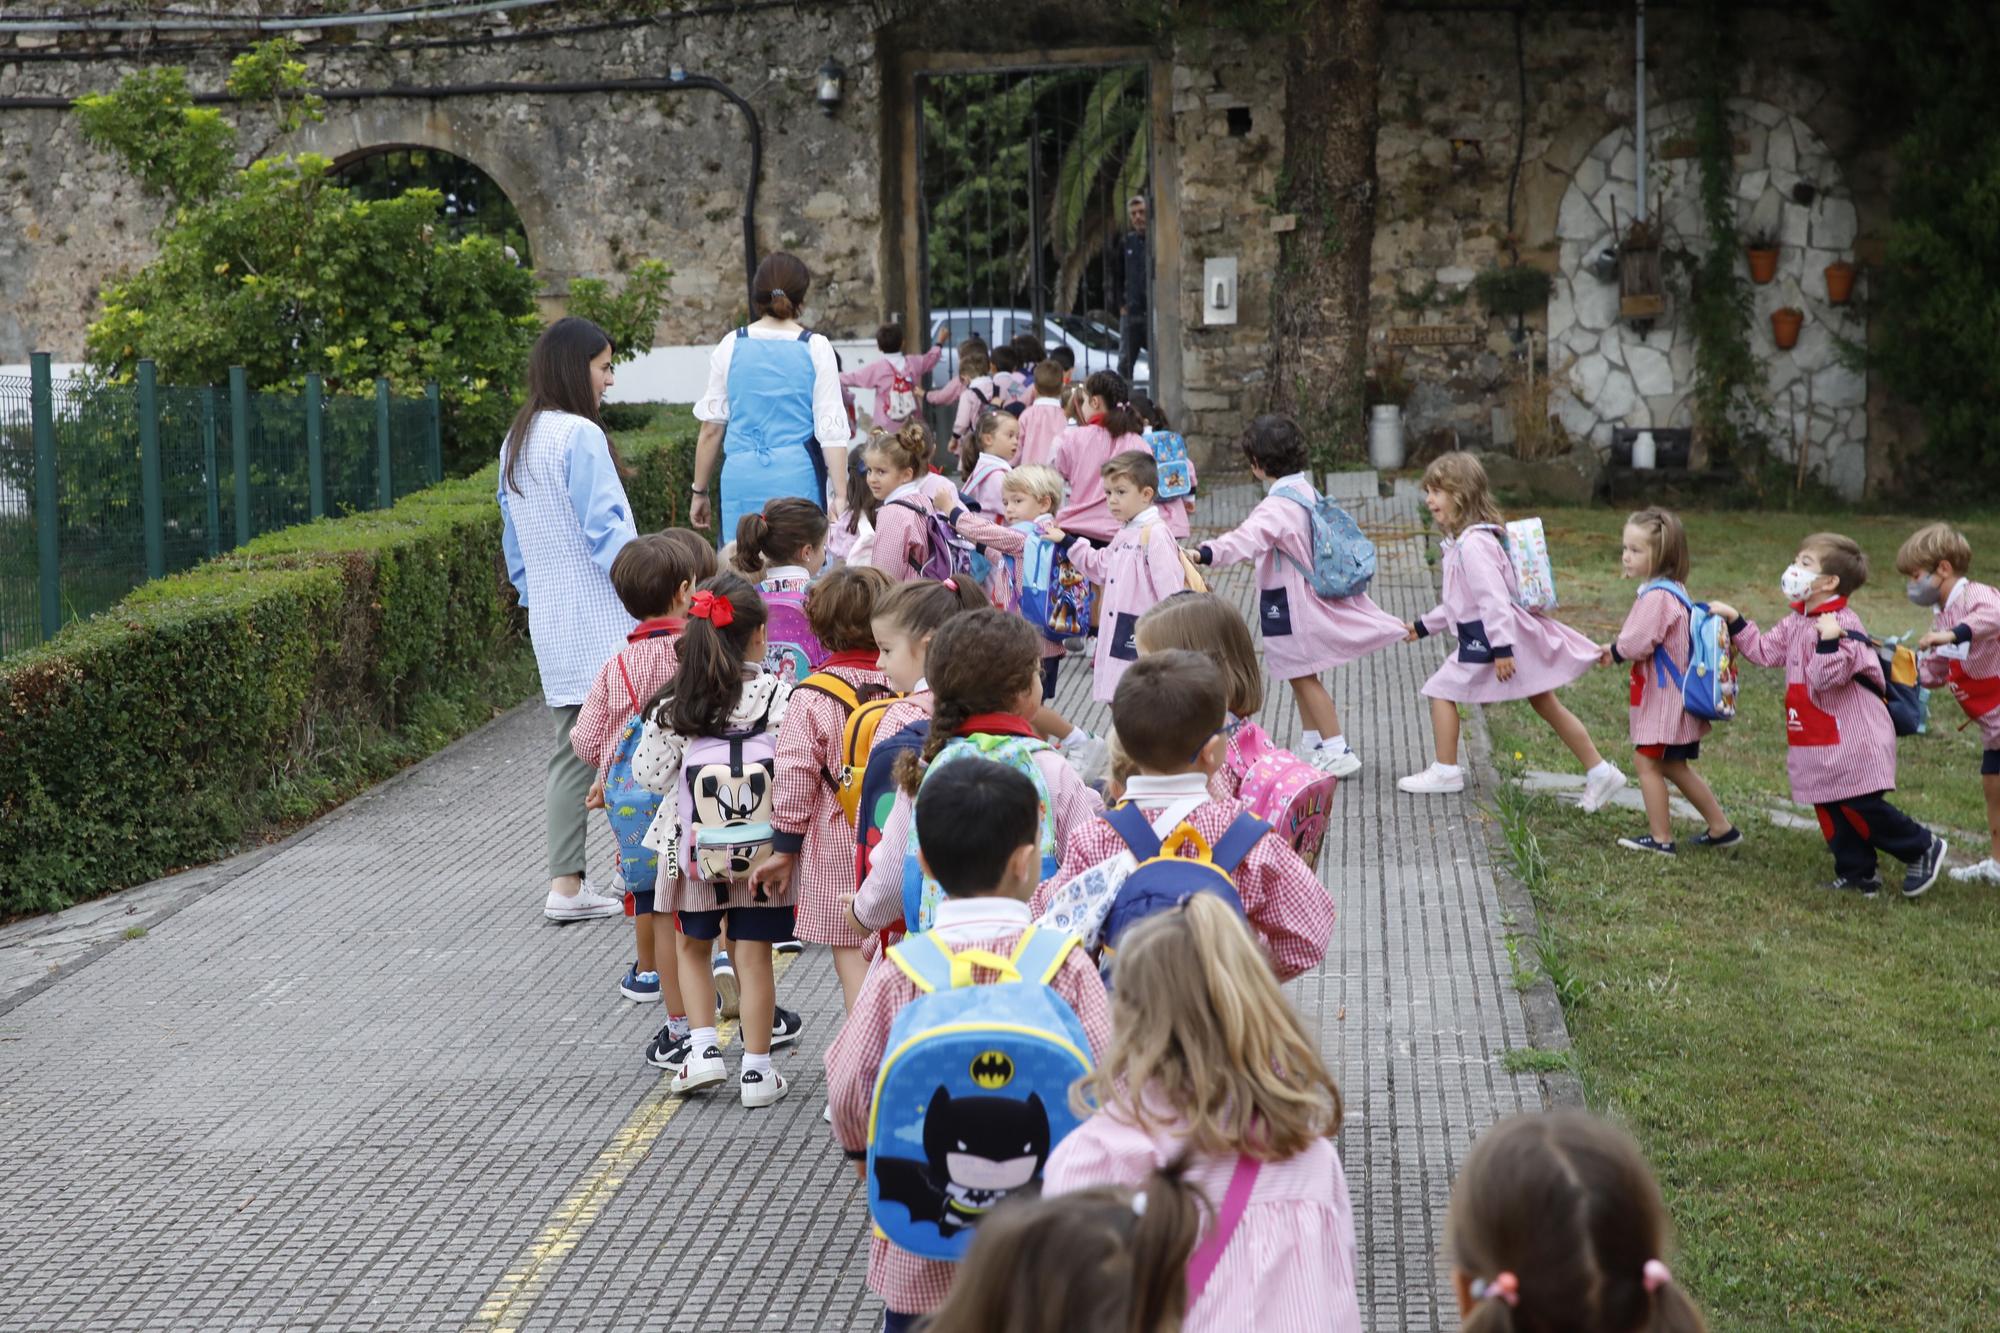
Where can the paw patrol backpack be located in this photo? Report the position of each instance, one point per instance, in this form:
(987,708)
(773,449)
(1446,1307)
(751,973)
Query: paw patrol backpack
(1170,870)
(973,1092)
(1708,686)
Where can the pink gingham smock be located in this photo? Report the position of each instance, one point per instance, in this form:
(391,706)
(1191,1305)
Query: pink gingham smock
(1139,569)
(650,660)
(983,487)
(1840,740)
(805,806)
(879,377)
(1973,612)
(899,529)
(1657,624)
(1479,592)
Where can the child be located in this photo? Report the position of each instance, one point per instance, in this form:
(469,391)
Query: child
(1010,386)
(1169,714)
(972,390)
(851,540)
(1504,650)
(977,829)
(783,547)
(1842,755)
(1556,1222)
(1138,569)
(1304,634)
(814,841)
(1042,420)
(1666,737)
(699,549)
(1065,356)
(898,466)
(897,380)
(654,578)
(1155,426)
(1110,427)
(984,668)
(986,457)
(1202,622)
(719,689)
(1029,496)
(1029,348)
(1963,655)
(1210,1066)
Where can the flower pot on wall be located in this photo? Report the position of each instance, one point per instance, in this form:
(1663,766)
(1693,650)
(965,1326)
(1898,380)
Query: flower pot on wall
(1839,282)
(1785,327)
(1763,263)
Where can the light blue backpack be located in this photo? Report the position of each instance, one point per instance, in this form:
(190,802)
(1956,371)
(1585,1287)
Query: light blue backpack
(1176,472)
(921,893)
(628,806)
(1708,689)
(1343,559)
(973,1092)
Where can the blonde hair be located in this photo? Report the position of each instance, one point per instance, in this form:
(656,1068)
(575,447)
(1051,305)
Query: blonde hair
(1931,543)
(1666,543)
(1461,476)
(1038,480)
(1202,622)
(1199,1023)
(906,450)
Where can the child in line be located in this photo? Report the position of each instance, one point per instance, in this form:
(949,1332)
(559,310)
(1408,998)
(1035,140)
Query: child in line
(1010,386)
(1169,714)
(1962,653)
(814,842)
(1139,568)
(784,546)
(1505,651)
(1666,738)
(1064,356)
(654,579)
(1029,496)
(1109,427)
(897,380)
(1556,1222)
(1305,634)
(1841,753)
(898,470)
(986,457)
(851,539)
(1210,1067)
(1042,420)
(1201,622)
(1177,511)
(972,390)
(978,834)
(719,689)
(1031,351)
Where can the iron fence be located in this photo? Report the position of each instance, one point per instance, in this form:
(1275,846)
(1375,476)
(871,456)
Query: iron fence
(105,486)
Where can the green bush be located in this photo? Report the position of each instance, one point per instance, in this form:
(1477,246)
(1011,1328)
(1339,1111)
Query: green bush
(268,684)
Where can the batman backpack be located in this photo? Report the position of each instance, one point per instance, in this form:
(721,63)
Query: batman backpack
(1171,871)
(921,893)
(973,1091)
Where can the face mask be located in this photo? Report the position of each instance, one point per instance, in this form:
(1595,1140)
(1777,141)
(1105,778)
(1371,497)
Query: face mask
(1923,591)
(1796,582)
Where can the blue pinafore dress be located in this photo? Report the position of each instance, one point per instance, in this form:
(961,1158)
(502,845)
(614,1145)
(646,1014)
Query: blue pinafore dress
(769,450)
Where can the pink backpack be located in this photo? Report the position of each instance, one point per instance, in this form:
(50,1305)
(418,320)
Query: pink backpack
(794,651)
(1281,789)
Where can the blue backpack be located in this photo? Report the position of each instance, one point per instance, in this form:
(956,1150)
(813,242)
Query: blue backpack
(629,806)
(1167,873)
(973,1092)
(1055,596)
(1708,688)
(922,893)
(878,789)
(1343,559)
(1176,473)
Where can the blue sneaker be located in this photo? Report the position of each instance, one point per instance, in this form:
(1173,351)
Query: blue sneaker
(728,995)
(641,986)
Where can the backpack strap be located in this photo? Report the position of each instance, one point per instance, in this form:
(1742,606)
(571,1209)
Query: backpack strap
(924,961)
(1236,841)
(1862,637)
(1039,954)
(630,693)
(743,332)
(805,335)
(1202,1263)
(833,687)
(1131,824)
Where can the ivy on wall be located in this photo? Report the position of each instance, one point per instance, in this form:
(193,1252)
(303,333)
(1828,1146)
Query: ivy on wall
(1729,384)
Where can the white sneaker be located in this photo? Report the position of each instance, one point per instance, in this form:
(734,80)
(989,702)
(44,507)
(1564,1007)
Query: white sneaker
(1597,790)
(587,904)
(1985,872)
(826,1113)
(762,1089)
(1340,763)
(700,1071)
(1090,757)
(1437,780)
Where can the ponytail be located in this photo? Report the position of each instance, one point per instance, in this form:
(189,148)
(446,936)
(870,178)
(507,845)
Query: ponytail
(1166,1226)
(906,450)
(779,535)
(713,650)
(1119,416)
(974,442)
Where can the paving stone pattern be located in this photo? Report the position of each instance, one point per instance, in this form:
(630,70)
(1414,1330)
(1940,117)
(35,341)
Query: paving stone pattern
(362,1085)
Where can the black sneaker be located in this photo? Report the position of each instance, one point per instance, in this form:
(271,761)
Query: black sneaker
(666,1051)
(1922,874)
(1867,888)
(1648,843)
(1729,839)
(785,1027)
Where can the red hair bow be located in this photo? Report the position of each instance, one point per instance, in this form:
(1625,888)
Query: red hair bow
(716,610)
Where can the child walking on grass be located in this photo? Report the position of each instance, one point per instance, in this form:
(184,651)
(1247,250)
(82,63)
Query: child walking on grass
(1666,738)
(1963,655)
(1505,651)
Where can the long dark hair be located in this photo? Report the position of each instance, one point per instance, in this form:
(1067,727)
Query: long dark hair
(559,381)
(1119,418)
(708,680)
(780,285)
(778,534)
(979,662)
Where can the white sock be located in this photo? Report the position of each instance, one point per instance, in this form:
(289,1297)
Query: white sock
(1310,738)
(1076,737)
(1447,770)
(1337,744)
(1603,766)
(759,1064)
(702,1038)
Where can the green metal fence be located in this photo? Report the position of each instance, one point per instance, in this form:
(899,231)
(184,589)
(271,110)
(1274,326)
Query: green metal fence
(105,486)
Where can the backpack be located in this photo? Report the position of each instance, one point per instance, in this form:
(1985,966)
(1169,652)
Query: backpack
(945,553)
(876,795)
(1708,688)
(628,806)
(862,706)
(902,393)
(726,807)
(1343,560)
(1281,789)
(793,650)
(1167,874)
(1176,473)
(973,1091)
(921,892)
(1055,596)
(1907,701)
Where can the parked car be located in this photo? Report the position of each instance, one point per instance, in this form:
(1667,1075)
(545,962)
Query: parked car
(1095,344)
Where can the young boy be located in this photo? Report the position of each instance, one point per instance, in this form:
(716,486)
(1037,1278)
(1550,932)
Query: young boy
(1138,570)
(973,390)
(1842,758)
(897,380)
(1043,419)
(1964,655)
(1169,713)
(976,832)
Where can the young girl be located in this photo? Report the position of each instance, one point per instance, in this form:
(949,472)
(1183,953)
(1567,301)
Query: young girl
(898,466)
(1029,496)
(1556,1222)
(784,546)
(1109,427)
(851,541)
(719,689)
(986,457)
(814,846)
(1666,737)
(1304,634)
(1202,622)
(1504,650)
(1210,1067)
(972,390)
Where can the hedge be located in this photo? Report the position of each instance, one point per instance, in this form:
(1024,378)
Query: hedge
(269,684)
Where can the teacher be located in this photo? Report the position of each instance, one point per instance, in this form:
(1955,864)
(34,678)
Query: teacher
(773,408)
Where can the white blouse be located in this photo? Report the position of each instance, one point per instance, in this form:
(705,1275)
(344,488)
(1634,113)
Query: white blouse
(829,409)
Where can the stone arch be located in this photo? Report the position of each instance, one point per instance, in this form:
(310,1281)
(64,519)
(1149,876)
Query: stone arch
(1618,377)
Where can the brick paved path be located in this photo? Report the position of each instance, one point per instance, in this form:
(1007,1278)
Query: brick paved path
(358,1083)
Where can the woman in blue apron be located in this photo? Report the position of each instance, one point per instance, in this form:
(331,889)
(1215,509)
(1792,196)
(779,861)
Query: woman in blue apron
(773,409)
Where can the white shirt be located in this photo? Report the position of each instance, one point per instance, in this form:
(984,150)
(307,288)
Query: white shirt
(830,426)
(1182,794)
(785,573)
(960,920)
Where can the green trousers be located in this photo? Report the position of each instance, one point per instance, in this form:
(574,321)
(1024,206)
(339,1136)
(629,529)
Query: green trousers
(568,785)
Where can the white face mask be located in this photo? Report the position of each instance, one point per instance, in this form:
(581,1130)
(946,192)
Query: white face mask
(1796,582)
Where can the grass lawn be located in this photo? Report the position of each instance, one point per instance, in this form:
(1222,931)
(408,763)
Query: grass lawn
(1815,1078)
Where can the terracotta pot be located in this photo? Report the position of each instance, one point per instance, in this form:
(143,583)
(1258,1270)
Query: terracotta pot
(1763,264)
(1839,282)
(1785,327)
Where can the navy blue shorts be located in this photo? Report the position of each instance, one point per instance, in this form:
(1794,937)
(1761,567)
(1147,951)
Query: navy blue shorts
(1989,764)
(768,925)
(1051,667)
(639,901)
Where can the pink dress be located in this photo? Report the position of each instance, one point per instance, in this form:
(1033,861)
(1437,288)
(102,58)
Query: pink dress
(1657,624)
(1840,741)
(1478,608)
(902,532)
(1970,668)
(973,397)
(1041,423)
(1290,1266)
(1139,569)
(806,813)
(880,376)
(1003,544)
(1304,633)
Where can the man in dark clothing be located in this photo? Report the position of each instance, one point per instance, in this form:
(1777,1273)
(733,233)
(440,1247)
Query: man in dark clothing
(1134,273)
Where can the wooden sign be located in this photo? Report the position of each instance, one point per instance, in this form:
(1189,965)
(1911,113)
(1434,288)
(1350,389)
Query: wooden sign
(1433,335)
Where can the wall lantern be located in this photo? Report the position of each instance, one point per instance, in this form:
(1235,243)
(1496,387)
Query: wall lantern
(830,76)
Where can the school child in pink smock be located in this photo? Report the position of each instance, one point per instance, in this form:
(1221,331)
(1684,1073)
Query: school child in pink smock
(1304,634)
(1109,427)
(1666,738)
(1202,622)
(1140,567)
(1042,420)
(1192,992)
(1505,651)
(1962,655)
(1842,746)
(1029,496)
(973,390)
(898,471)
(986,456)
(894,380)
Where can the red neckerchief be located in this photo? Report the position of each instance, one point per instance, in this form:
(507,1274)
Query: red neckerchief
(859,659)
(655,628)
(1830,605)
(1097,420)
(997,724)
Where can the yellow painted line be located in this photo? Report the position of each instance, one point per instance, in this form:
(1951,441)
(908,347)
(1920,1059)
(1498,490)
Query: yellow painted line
(522,1285)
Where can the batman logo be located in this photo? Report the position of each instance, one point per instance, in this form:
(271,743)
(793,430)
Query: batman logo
(992,1069)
